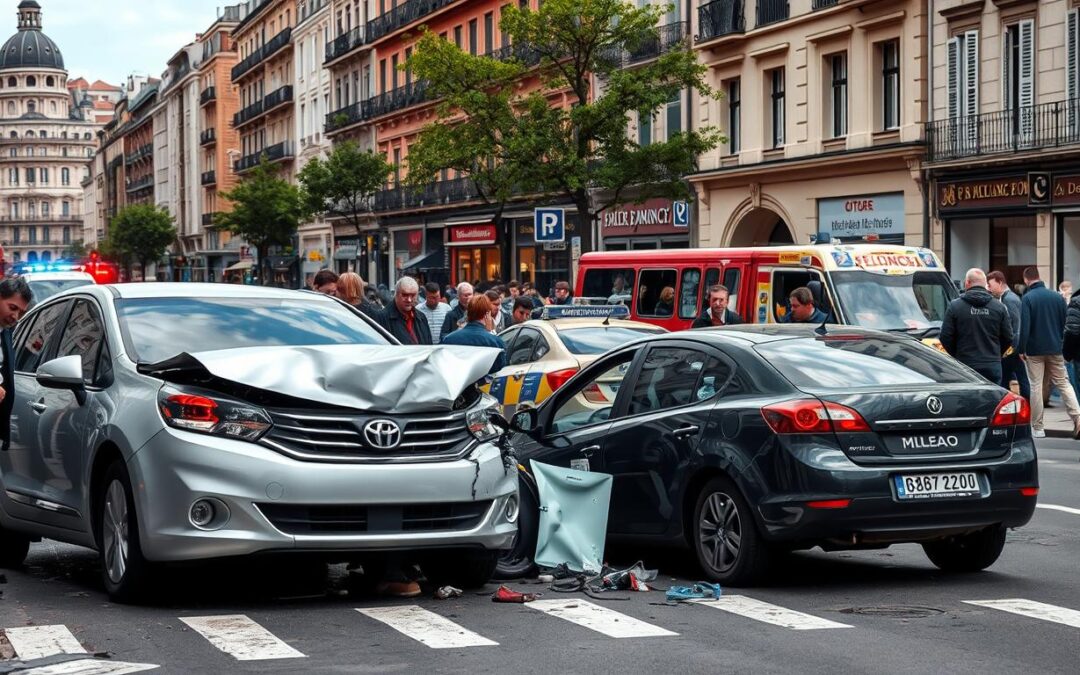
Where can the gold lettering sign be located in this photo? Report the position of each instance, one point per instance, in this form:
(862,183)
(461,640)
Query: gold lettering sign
(1067,189)
(1012,191)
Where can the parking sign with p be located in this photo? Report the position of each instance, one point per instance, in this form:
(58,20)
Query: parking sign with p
(550,224)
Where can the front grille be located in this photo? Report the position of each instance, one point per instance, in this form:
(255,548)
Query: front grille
(330,437)
(376,519)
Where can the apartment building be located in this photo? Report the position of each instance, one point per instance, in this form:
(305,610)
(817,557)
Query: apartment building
(823,105)
(1004,136)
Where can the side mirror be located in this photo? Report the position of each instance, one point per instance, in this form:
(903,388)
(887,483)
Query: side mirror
(524,421)
(63,373)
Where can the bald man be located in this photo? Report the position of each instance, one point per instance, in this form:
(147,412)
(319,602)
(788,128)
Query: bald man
(976,330)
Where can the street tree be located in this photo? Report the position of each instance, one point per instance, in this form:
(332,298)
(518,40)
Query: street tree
(141,233)
(524,139)
(343,184)
(266,210)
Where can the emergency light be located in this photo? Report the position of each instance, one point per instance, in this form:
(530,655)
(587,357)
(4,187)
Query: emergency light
(584,312)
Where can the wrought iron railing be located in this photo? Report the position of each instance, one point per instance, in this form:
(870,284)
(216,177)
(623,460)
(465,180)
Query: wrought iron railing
(772,11)
(400,98)
(822,4)
(249,113)
(140,184)
(665,39)
(209,94)
(345,43)
(1048,125)
(278,97)
(719,18)
(432,194)
(207,137)
(209,178)
(401,16)
(143,151)
(522,53)
(256,57)
(273,153)
(347,116)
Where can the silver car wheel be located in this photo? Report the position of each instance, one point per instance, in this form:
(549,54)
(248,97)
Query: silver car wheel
(720,532)
(114,531)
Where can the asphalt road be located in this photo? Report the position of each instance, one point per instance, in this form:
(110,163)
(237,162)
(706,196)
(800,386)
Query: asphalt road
(876,611)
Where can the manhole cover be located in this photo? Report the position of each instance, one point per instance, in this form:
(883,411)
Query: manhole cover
(895,611)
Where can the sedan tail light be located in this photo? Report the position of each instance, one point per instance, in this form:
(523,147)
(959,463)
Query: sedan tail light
(810,416)
(558,378)
(593,394)
(1011,411)
(207,413)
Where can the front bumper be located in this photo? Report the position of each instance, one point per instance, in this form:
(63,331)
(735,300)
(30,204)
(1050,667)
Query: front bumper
(176,468)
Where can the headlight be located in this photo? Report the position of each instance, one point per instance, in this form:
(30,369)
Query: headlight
(478,419)
(207,413)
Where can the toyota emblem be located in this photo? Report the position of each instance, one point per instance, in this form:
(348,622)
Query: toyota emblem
(382,434)
(934,405)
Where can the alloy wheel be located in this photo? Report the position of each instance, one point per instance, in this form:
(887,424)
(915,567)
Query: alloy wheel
(720,532)
(115,532)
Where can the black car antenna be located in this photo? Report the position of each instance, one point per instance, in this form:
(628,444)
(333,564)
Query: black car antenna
(821,330)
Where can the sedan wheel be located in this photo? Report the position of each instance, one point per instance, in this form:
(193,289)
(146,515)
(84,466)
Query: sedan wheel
(720,531)
(115,532)
(725,537)
(124,571)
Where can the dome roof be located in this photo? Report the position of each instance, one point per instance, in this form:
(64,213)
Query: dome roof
(30,48)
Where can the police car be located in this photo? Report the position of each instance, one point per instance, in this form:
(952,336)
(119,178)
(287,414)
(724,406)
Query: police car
(542,354)
(48,279)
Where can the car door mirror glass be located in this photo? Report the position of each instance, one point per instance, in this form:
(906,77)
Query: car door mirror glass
(524,421)
(63,373)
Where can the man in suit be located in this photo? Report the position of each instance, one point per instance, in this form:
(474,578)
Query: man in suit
(717,314)
(1011,365)
(409,326)
(15,296)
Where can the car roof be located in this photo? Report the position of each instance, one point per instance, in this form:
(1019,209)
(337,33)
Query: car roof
(566,324)
(767,333)
(165,289)
(55,276)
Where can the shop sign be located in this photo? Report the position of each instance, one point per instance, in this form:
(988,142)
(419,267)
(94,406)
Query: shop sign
(473,235)
(982,194)
(1067,190)
(655,216)
(857,217)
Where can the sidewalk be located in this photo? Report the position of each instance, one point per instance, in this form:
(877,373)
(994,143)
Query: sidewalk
(1056,422)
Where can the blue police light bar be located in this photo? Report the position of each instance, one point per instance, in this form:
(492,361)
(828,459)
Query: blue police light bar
(584,312)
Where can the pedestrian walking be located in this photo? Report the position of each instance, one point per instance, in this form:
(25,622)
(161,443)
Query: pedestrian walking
(434,309)
(1012,368)
(456,317)
(325,282)
(350,288)
(477,330)
(15,297)
(976,330)
(406,324)
(717,314)
(1042,327)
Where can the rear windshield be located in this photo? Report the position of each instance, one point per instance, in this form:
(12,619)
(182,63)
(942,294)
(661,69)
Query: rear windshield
(43,290)
(848,363)
(589,341)
(156,329)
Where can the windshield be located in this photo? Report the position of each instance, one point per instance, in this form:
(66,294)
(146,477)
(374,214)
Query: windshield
(590,341)
(855,362)
(156,329)
(43,290)
(894,302)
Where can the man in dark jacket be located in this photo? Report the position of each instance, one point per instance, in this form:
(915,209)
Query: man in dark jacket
(717,314)
(1012,368)
(976,330)
(409,326)
(803,309)
(456,317)
(1042,326)
(477,332)
(15,297)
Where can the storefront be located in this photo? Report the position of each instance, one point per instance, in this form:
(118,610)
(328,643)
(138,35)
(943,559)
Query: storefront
(475,255)
(653,224)
(545,263)
(875,217)
(282,271)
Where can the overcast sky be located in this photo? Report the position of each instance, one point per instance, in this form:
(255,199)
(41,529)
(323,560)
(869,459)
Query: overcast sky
(110,39)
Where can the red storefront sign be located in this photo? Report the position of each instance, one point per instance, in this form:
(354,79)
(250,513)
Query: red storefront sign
(473,235)
(653,217)
(1066,190)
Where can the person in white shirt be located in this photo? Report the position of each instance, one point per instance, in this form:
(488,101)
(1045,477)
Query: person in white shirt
(434,309)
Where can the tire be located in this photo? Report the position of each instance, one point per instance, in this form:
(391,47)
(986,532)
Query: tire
(725,538)
(967,552)
(466,570)
(126,574)
(13,549)
(517,561)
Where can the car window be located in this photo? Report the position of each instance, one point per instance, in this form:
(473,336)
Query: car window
(523,347)
(689,292)
(784,282)
(731,282)
(591,401)
(614,286)
(104,373)
(669,378)
(656,293)
(83,336)
(45,289)
(600,339)
(508,337)
(712,277)
(41,335)
(541,349)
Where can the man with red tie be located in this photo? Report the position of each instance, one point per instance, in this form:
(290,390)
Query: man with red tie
(406,324)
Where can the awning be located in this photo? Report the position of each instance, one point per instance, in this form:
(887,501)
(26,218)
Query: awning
(428,261)
(241,266)
(345,253)
(470,220)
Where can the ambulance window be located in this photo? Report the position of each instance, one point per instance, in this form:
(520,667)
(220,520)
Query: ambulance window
(522,349)
(731,282)
(656,293)
(712,277)
(784,282)
(612,286)
(689,293)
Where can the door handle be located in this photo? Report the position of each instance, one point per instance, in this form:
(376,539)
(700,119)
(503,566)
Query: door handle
(39,407)
(687,431)
(589,450)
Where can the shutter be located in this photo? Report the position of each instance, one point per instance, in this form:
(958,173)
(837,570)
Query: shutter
(1026,92)
(1006,70)
(1072,72)
(953,86)
(971,88)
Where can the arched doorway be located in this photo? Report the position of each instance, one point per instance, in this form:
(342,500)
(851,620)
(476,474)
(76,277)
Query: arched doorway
(31,257)
(46,256)
(761,227)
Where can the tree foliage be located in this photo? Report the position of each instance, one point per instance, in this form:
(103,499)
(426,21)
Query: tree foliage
(76,250)
(343,184)
(141,232)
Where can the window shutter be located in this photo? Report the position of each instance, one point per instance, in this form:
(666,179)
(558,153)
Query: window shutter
(954,78)
(1027,80)
(1072,72)
(1006,70)
(971,72)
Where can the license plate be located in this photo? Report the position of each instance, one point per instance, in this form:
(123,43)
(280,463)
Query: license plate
(937,485)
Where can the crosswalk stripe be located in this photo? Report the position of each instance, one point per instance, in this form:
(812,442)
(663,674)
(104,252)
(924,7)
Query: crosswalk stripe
(1032,609)
(35,642)
(1055,507)
(768,613)
(89,667)
(240,637)
(426,627)
(600,619)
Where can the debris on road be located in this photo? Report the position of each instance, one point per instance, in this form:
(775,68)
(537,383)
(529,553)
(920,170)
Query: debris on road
(447,592)
(505,594)
(702,590)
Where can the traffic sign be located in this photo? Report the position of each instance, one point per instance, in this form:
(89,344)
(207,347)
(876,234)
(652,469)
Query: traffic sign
(549,224)
(681,213)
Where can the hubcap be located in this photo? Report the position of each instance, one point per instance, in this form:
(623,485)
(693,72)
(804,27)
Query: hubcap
(114,530)
(720,532)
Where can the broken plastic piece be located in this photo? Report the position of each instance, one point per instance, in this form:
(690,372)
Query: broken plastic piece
(573,518)
(702,590)
(505,594)
(447,592)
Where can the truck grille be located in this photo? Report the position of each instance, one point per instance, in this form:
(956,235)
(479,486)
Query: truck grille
(375,519)
(347,438)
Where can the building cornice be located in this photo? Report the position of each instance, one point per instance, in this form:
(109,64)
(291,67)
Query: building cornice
(813,162)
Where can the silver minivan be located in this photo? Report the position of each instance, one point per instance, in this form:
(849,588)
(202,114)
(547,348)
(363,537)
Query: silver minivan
(178,422)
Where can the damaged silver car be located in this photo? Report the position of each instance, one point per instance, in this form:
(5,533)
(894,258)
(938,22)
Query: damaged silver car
(179,422)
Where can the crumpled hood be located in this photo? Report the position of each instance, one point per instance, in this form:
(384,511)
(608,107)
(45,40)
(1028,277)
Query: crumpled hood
(977,296)
(381,378)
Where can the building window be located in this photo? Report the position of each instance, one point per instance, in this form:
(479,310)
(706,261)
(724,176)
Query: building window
(67,235)
(31,81)
(33,235)
(963,75)
(45,209)
(13,176)
(65,209)
(644,128)
(397,167)
(457,36)
(890,84)
(17,235)
(31,176)
(393,71)
(1018,74)
(472,36)
(674,116)
(776,79)
(44,176)
(838,98)
(734,92)
(489,32)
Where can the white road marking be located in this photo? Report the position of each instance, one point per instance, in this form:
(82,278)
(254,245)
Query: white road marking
(600,619)
(90,667)
(240,637)
(1055,507)
(35,642)
(426,627)
(774,614)
(1035,610)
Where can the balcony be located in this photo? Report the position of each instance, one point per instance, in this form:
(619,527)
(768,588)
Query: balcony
(143,151)
(208,95)
(209,178)
(348,116)
(208,219)
(1048,125)
(823,4)
(140,184)
(433,194)
(274,153)
(276,44)
(401,16)
(771,11)
(523,54)
(720,18)
(247,114)
(42,218)
(665,38)
(273,100)
(399,99)
(344,44)
(208,137)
